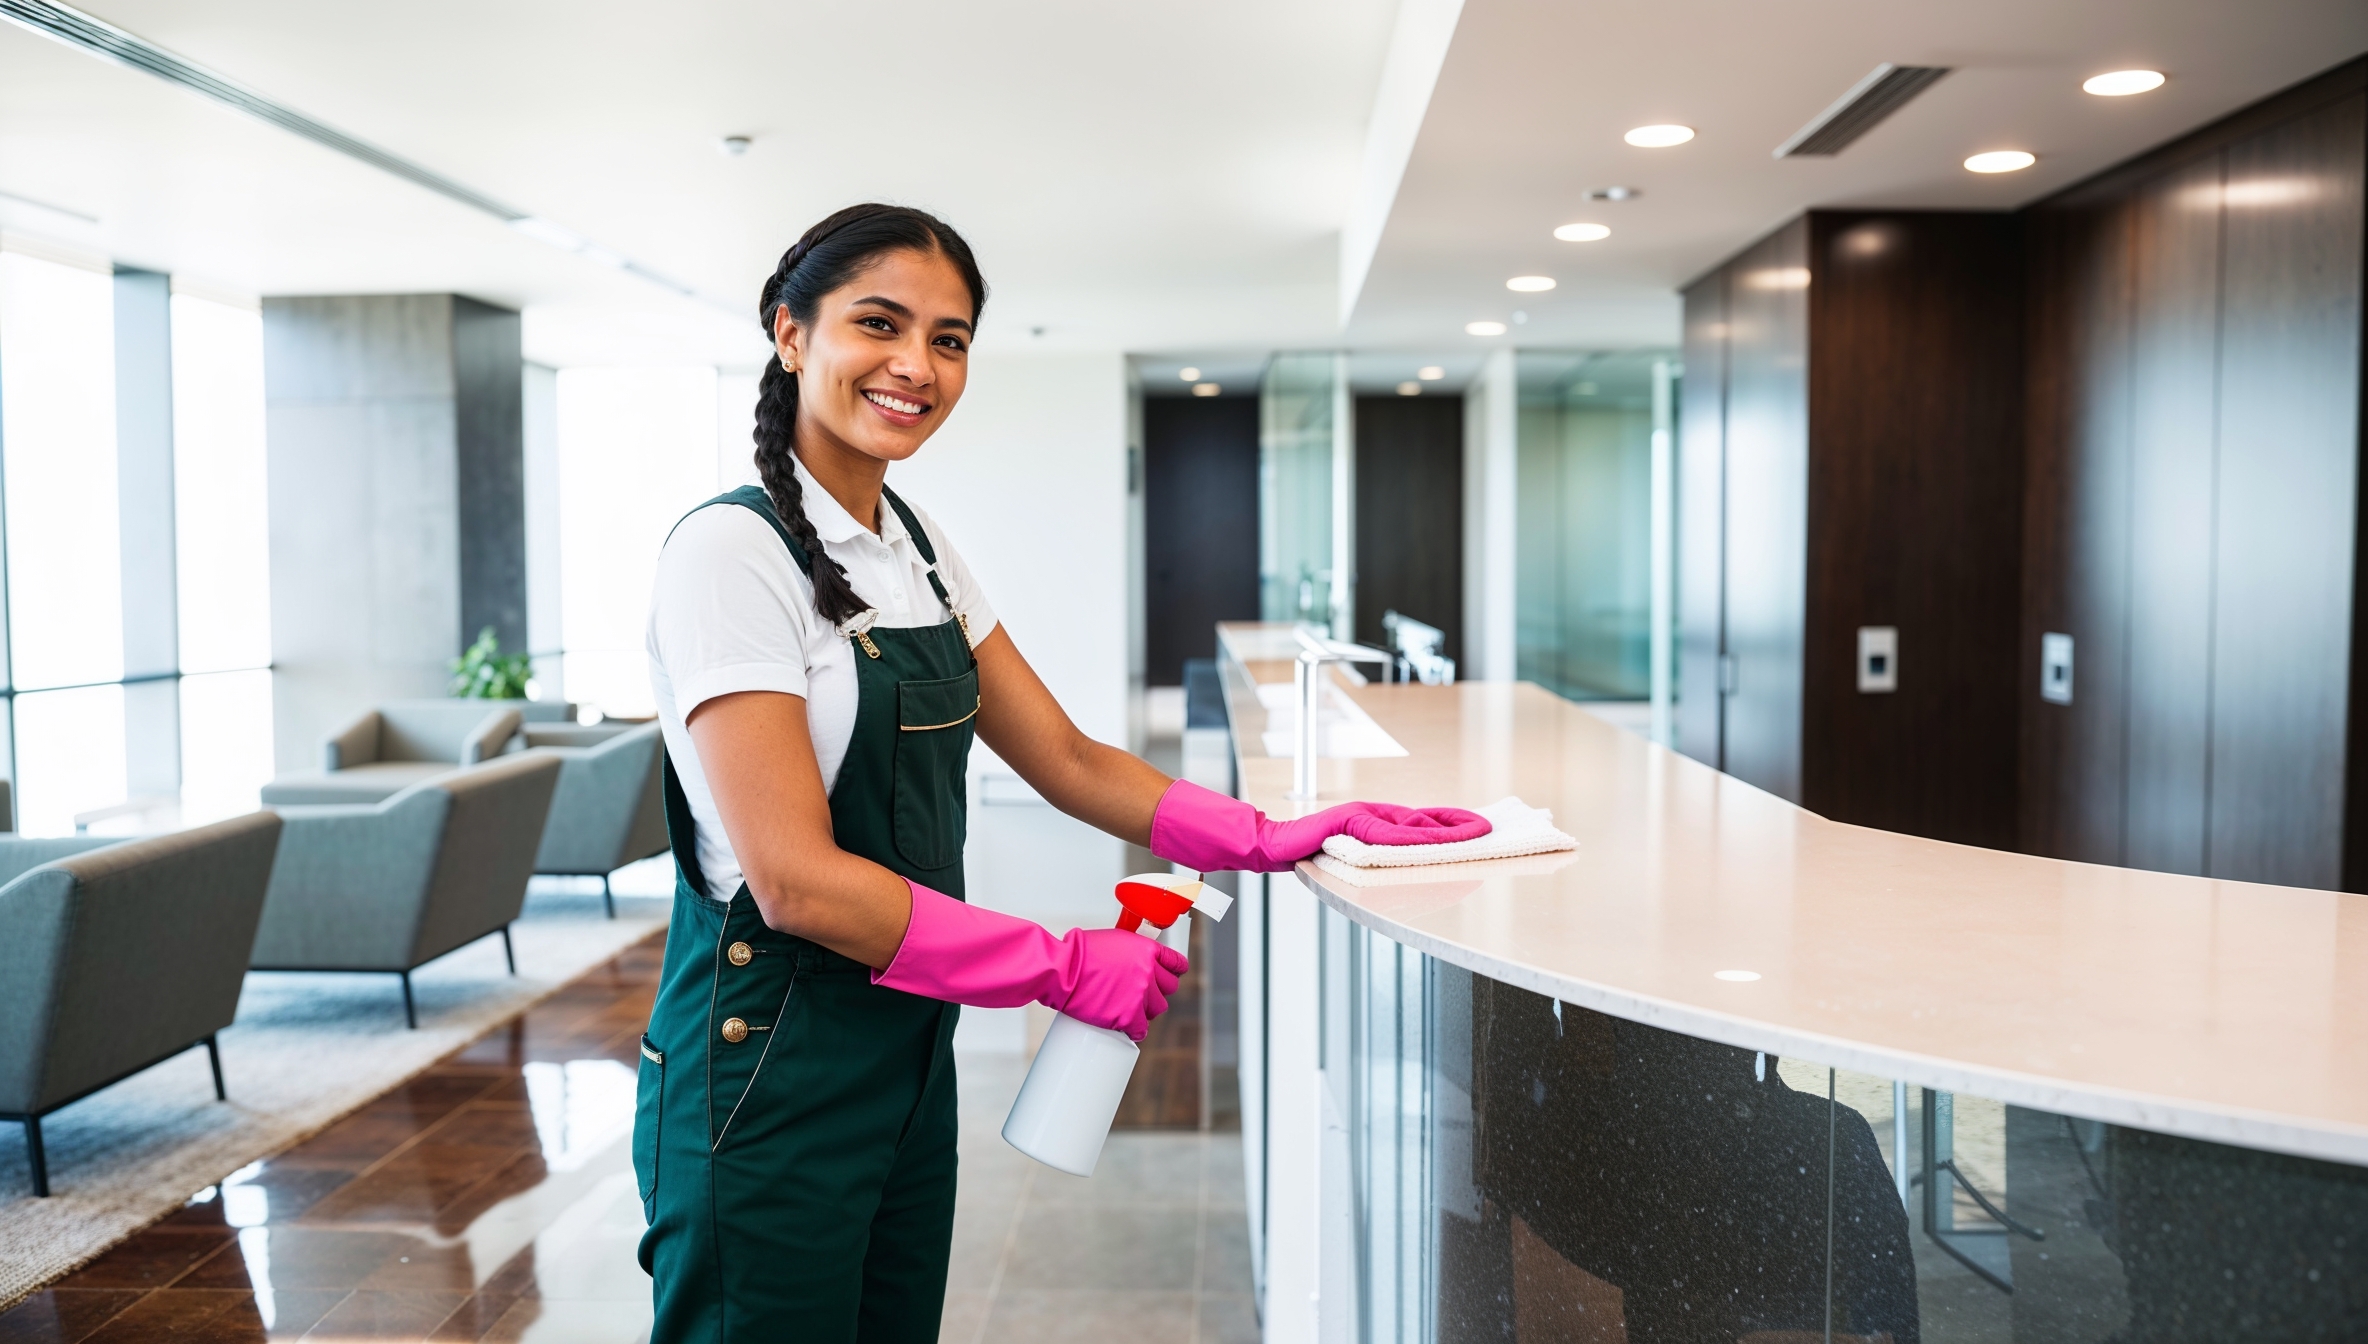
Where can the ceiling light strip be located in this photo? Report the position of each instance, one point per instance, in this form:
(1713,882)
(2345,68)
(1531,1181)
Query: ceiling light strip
(108,42)
(1885,91)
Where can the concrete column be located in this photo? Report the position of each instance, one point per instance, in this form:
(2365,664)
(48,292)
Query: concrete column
(394,431)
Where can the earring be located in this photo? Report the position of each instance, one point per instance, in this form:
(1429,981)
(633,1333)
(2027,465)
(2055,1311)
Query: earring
(787,367)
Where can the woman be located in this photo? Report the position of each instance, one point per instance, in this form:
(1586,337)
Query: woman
(821,657)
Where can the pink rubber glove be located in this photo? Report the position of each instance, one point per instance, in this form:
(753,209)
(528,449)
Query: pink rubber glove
(1212,833)
(964,954)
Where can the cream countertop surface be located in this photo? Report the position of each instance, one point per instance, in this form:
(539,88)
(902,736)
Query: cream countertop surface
(2218,1010)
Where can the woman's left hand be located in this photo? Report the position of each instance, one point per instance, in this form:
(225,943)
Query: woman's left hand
(1209,832)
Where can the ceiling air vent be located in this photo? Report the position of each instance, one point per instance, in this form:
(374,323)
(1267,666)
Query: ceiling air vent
(1870,100)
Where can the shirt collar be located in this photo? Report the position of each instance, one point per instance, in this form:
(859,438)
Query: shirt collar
(832,523)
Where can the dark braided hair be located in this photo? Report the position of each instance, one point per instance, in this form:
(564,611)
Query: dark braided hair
(833,253)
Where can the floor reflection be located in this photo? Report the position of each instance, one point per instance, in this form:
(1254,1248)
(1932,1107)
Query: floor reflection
(490,1198)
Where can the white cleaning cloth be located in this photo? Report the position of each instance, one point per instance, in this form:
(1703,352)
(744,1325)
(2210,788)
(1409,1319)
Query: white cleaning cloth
(1517,828)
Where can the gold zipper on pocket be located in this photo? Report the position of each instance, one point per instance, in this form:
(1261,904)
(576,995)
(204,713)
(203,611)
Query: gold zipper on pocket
(933,727)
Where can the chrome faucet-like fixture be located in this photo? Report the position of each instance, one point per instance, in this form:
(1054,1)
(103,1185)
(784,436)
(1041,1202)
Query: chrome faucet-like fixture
(1316,650)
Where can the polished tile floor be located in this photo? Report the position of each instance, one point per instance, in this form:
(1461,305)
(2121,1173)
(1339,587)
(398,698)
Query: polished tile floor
(492,1198)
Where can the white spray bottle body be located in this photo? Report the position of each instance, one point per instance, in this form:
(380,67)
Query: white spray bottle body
(1070,1098)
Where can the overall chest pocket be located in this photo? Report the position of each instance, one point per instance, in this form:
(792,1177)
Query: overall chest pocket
(934,723)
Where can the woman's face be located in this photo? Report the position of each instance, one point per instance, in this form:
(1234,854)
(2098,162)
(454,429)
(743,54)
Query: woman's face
(883,362)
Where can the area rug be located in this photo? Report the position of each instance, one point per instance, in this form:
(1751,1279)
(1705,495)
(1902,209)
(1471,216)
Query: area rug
(306,1049)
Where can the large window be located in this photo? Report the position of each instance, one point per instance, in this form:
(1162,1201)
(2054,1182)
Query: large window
(637,449)
(127,419)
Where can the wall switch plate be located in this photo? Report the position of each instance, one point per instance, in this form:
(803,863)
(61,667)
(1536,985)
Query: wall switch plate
(1878,659)
(2055,669)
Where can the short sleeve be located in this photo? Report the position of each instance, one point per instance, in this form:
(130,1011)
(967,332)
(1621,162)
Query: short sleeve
(729,611)
(961,585)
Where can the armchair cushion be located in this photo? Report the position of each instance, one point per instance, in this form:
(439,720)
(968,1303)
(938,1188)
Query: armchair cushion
(375,782)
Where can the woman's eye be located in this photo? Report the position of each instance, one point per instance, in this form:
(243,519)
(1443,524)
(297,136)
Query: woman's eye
(877,323)
(953,343)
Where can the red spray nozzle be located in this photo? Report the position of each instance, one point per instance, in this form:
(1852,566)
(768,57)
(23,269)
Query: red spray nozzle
(1160,898)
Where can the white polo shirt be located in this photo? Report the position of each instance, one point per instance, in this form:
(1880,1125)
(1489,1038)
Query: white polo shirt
(731,611)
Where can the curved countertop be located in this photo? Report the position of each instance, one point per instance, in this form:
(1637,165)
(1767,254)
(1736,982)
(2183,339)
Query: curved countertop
(2227,1011)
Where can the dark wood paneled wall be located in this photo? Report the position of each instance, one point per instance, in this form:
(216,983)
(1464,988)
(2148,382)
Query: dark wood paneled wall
(2192,441)
(1410,515)
(1914,520)
(1200,526)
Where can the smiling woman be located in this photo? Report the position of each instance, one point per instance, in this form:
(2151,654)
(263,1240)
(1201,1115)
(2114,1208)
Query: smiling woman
(821,658)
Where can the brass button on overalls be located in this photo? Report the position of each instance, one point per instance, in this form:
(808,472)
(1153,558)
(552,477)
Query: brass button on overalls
(740,954)
(735,1030)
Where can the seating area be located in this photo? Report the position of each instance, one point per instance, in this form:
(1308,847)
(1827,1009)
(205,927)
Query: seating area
(417,837)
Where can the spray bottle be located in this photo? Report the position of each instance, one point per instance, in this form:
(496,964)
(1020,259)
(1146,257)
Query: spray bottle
(1072,1092)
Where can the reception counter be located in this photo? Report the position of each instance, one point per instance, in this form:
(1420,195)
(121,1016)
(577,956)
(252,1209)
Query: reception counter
(1733,1071)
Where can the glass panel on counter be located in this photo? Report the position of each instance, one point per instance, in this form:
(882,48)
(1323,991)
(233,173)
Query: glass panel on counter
(1301,454)
(1528,1170)
(1583,521)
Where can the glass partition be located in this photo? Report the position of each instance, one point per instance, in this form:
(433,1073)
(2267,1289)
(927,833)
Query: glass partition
(1583,556)
(1528,1170)
(1300,497)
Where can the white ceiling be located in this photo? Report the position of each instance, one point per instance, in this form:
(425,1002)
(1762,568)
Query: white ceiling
(1533,99)
(1139,177)
(1130,175)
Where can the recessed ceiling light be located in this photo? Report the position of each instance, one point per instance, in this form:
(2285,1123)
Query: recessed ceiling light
(1430,373)
(2122,83)
(732,146)
(1206,389)
(1614,194)
(1409,389)
(1582,233)
(1530,284)
(1738,977)
(1659,137)
(2001,161)
(1484,328)
(1188,374)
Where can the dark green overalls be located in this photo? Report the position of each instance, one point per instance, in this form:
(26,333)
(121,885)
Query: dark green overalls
(795,1125)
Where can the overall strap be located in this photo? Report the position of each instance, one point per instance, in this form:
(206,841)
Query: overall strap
(912,525)
(754,499)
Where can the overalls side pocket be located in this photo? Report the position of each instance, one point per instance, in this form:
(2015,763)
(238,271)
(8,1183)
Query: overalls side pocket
(649,1110)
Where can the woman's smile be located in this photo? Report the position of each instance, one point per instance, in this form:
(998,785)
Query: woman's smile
(896,408)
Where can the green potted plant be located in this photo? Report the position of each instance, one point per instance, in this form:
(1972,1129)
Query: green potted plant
(484,672)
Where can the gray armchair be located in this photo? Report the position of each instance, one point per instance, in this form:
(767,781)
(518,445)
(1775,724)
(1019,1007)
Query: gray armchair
(610,808)
(116,955)
(387,887)
(397,745)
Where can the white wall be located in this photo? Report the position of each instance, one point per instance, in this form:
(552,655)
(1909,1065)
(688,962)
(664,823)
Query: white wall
(1029,481)
(1028,478)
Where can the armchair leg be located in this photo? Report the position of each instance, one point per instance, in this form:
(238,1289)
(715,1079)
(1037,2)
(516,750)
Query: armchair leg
(33,1155)
(214,1057)
(608,897)
(410,1012)
(509,953)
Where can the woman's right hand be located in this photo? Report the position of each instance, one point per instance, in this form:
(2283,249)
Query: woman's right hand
(1117,979)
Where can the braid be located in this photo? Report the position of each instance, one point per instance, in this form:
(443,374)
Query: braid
(776,466)
(847,243)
